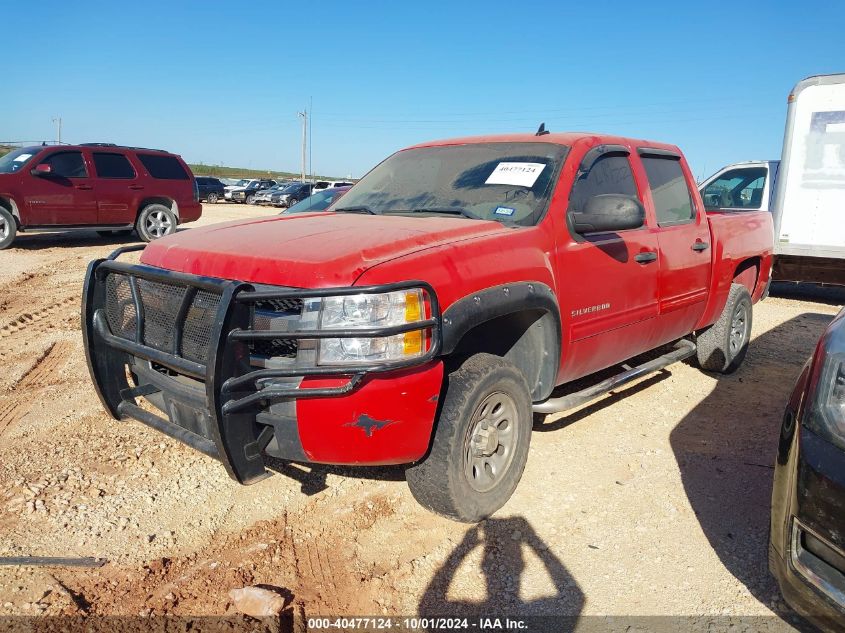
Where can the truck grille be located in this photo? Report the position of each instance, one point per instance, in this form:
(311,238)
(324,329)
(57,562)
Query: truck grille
(161,305)
(276,314)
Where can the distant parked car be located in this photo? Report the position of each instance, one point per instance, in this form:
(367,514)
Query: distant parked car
(291,194)
(330,184)
(807,542)
(100,186)
(263,197)
(318,201)
(210,189)
(248,192)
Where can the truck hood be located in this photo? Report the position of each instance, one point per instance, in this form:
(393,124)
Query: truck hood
(309,250)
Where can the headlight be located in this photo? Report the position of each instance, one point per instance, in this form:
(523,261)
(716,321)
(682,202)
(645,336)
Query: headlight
(826,401)
(367,311)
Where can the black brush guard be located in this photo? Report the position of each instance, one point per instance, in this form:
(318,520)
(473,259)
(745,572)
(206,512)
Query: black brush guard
(234,390)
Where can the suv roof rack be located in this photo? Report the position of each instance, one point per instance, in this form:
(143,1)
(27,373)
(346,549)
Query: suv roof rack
(147,149)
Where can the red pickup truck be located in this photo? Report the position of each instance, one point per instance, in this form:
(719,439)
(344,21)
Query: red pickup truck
(428,313)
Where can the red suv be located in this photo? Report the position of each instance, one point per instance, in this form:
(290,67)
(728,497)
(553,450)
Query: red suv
(103,186)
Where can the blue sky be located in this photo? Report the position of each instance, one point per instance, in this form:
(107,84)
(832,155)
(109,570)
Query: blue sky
(223,82)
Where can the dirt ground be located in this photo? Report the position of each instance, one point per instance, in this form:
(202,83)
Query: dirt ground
(652,501)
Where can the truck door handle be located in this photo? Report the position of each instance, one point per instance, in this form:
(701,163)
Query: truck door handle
(699,246)
(645,257)
(136,186)
(83,187)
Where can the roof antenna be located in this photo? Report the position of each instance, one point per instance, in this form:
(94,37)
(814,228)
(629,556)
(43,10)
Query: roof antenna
(542,131)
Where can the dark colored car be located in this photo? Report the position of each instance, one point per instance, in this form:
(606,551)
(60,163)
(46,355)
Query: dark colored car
(100,186)
(807,538)
(319,201)
(292,194)
(210,189)
(247,194)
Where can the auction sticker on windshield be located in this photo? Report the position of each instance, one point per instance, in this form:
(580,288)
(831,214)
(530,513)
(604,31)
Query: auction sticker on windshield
(22,158)
(520,174)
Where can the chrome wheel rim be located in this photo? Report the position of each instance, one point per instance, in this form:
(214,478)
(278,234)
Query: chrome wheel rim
(212,198)
(739,328)
(491,442)
(158,224)
(4,228)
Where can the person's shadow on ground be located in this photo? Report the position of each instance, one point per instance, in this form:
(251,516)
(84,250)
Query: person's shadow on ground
(504,542)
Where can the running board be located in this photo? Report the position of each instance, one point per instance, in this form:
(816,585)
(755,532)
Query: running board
(683,349)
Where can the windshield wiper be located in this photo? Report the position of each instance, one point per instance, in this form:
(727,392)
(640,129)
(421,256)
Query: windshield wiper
(445,210)
(359,209)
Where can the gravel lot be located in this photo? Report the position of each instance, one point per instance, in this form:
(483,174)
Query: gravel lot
(652,501)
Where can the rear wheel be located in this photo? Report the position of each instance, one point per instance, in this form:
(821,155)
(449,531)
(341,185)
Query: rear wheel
(155,221)
(8,228)
(723,346)
(480,445)
(212,198)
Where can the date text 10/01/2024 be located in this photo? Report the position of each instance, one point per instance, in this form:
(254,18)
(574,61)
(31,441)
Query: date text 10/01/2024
(416,624)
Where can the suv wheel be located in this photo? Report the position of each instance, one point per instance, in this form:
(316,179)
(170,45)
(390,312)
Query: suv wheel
(480,445)
(723,346)
(155,221)
(250,199)
(212,198)
(8,228)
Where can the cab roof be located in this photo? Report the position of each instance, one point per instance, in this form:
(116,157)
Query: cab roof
(558,138)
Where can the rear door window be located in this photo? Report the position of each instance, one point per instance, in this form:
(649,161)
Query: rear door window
(110,165)
(66,165)
(672,200)
(163,167)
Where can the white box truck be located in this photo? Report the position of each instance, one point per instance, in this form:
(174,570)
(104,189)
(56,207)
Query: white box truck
(804,190)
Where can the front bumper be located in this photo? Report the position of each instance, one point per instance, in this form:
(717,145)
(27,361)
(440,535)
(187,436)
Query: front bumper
(219,403)
(807,546)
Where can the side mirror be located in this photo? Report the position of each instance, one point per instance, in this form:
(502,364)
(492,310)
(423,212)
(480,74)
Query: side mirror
(609,212)
(42,170)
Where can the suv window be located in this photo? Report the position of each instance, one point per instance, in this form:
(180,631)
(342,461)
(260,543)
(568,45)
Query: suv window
(672,200)
(163,167)
(66,165)
(113,166)
(740,188)
(610,173)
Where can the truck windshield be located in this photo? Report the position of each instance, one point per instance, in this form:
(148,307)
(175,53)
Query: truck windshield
(13,161)
(506,182)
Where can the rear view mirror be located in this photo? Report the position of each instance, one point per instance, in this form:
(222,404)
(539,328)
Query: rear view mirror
(609,212)
(42,170)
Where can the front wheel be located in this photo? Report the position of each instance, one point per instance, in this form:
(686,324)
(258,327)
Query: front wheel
(8,228)
(212,198)
(480,444)
(155,221)
(250,199)
(723,346)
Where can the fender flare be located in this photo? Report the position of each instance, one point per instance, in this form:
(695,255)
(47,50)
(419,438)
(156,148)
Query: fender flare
(480,307)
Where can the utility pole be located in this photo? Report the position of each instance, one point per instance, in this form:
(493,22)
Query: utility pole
(304,116)
(58,121)
(310,137)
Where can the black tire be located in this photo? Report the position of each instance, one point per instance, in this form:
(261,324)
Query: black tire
(118,233)
(212,198)
(722,347)
(447,480)
(155,221)
(250,199)
(8,228)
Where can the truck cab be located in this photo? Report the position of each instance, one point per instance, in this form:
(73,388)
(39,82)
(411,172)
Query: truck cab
(741,186)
